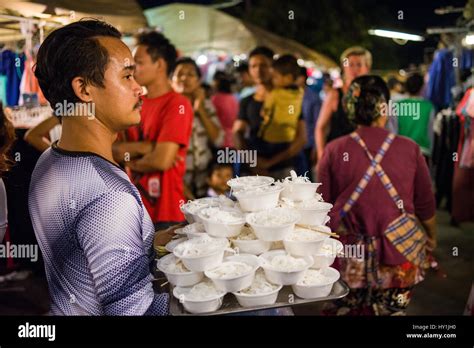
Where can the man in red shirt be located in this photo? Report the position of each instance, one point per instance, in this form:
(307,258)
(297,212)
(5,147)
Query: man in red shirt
(154,152)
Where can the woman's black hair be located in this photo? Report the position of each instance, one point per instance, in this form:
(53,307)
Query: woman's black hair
(223,82)
(190,61)
(366,96)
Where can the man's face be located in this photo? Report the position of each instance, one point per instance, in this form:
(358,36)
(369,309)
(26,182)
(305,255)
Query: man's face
(185,79)
(279,80)
(117,105)
(356,66)
(219,178)
(146,70)
(259,69)
(245,79)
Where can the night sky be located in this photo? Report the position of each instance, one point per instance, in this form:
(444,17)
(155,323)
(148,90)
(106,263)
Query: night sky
(418,15)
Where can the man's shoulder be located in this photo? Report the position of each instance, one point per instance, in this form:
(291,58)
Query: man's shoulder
(79,172)
(248,99)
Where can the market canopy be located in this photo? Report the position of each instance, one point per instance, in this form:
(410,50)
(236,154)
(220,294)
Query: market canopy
(126,16)
(196,28)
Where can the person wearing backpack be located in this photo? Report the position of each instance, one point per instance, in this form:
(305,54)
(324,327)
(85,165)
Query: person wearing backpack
(384,207)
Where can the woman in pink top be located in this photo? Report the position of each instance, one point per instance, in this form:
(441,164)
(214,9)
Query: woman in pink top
(226,104)
(381,282)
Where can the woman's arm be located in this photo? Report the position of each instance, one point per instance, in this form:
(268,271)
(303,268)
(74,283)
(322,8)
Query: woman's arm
(212,130)
(423,199)
(38,136)
(430,228)
(324,121)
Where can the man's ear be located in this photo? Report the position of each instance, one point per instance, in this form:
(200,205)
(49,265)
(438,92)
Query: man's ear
(81,90)
(161,64)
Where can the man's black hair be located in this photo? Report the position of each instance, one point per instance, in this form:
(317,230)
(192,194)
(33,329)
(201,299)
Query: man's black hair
(414,83)
(158,46)
(223,82)
(69,52)
(262,50)
(303,72)
(287,65)
(242,68)
(218,166)
(188,60)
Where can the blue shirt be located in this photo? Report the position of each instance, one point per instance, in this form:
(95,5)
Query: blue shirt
(12,66)
(310,109)
(95,236)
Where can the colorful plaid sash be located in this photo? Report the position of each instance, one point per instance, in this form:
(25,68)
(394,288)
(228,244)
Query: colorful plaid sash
(404,232)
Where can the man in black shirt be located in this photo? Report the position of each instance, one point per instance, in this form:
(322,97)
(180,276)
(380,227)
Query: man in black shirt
(274,159)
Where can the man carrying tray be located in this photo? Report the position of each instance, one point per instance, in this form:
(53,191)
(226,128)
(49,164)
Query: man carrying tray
(90,222)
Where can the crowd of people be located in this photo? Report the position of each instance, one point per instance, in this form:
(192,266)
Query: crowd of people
(145,153)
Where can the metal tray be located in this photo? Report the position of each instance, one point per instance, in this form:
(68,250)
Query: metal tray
(286,298)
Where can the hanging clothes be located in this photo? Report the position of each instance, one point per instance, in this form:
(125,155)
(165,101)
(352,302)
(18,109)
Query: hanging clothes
(29,83)
(463,178)
(465,112)
(3,89)
(12,65)
(442,76)
(446,129)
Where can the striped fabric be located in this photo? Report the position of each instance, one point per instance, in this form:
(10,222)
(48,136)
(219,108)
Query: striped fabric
(404,232)
(374,165)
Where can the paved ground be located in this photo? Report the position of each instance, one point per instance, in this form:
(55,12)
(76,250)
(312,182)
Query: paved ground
(437,295)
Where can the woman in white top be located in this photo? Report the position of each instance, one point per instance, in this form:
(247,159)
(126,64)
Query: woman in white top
(7,135)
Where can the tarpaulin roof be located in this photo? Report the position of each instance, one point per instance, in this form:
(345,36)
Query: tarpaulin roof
(126,16)
(194,28)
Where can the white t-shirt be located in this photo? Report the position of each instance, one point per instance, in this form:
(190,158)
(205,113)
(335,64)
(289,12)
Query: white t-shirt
(3,210)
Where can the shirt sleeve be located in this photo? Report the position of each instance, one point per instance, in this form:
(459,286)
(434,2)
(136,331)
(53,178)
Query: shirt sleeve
(211,111)
(423,199)
(109,231)
(243,109)
(178,118)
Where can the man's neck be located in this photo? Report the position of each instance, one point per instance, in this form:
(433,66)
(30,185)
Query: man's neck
(83,135)
(159,87)
(261,90)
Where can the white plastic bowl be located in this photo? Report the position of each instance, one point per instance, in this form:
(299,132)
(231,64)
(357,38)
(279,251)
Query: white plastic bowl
(250,201)
(304,248)
(190,217)
(317,290)
(250,181)
(193,230)
(197,307)
(178,279)
(323,258)
(221,229)
(203,262)
(282,277)
(272,233)
(193,216)
(247,300)
(299,191)
(240,282)
(253,246)
(172,244)
(314,216)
